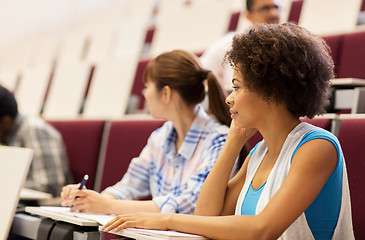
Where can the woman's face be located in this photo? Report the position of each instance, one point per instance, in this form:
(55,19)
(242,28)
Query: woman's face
(153,99)
(246,106)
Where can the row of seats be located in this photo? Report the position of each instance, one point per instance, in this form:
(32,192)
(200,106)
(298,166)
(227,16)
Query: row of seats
(101,89)
(348,61)
(113,29)
(352,139)
(325,17)
(103,149)
(95,33)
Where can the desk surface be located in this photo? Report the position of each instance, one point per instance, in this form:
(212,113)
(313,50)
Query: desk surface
(61,216)
(348,82)
(27,226)
(30,194)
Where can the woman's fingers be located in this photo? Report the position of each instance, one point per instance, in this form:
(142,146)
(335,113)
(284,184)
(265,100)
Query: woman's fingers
(114,223)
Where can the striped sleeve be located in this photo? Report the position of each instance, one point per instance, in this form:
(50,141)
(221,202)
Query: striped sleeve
(185,201)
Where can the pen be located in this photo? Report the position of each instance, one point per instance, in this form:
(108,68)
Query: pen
(83,182)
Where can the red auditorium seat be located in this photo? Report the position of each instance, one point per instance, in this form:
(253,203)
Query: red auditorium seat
(125,141)
(82,140)
(351,64)
(149,35)
(352,139)
(335,43)
(324,123)
(233,22)
(294,14)
(253,141)
(138,84)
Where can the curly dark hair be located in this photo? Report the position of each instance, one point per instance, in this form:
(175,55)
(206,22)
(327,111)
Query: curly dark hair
(286,64)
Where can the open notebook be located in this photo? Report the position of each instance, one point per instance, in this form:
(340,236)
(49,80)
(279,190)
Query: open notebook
(64,214)
(14,168)
(149,234)
(85,219)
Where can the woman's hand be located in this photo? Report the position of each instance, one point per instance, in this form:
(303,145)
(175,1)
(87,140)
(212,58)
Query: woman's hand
(87,201)
(241,133)
(68,189)
(138,220)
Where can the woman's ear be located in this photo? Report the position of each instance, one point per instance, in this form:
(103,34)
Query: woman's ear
(166,94)
(248,15)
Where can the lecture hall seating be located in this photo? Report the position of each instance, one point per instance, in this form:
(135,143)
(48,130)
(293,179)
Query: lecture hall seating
(82,140)
(138,84)
(352,139)
(351,62)
(130,38)
(188,24)
(233,22)
(335,43)
(294,14)
(110,88)
(326,17)
(126,140)
(32,89)
(67,89)
(324,123)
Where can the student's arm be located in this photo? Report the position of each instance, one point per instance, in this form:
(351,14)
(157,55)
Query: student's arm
(312,165)
(94,202)
(217,195)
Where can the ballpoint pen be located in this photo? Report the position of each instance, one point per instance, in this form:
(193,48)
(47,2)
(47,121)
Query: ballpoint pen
(83,182)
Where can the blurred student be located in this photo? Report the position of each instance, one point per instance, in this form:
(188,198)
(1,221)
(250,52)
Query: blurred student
(49,170)
(293,184)
(178,156)
(257,11)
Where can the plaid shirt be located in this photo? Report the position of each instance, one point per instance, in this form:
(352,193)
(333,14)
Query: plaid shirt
(49,170)
(173,179)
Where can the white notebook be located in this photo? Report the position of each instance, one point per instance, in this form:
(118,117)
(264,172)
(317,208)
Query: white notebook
(149,234)
(64,214)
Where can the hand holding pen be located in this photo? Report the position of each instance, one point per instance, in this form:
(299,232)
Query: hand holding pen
(80,199)
(67,191)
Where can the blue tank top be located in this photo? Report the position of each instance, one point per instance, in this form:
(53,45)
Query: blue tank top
(250,202)
(322,215)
